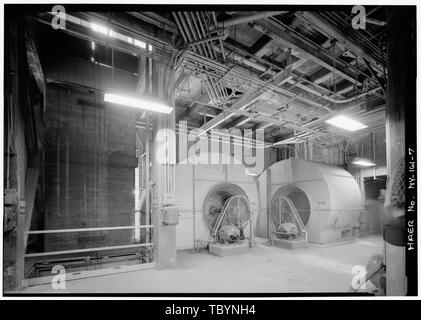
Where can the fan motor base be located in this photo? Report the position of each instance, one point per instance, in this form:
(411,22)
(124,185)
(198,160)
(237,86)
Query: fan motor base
(230,249)
(289,244)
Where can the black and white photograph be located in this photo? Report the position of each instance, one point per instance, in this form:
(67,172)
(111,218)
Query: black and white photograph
(209,149)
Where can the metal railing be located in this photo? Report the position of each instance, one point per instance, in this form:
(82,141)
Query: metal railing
(51,253)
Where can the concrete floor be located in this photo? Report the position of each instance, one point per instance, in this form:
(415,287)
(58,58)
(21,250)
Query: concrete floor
(264,269)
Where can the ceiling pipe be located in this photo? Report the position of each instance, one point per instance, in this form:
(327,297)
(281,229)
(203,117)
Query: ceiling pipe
(276,30)
(156,20)
(303,87)
(276,121)
(375,21)
(339,101)
(330,99)
(245,19)
(280,90)
(191,33)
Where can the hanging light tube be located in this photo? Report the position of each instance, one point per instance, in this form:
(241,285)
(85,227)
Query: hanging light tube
(137,102)
(363,162)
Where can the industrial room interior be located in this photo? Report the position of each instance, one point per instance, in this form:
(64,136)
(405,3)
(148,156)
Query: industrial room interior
(175,149)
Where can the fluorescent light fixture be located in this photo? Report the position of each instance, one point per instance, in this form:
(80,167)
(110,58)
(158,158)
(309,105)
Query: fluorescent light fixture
(363,162)
(137,102)
(139,43)
(346,123)
(93,45)
(99,28)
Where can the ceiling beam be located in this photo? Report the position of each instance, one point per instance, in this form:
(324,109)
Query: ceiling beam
(292,41)
(320,76)
(241,57)
(239,121)
(73,29)
(245,19)
(202,97)
(329,29)
(243,102)
(270,120)
(156,20)
(350,108)
(374,74)
(260,44)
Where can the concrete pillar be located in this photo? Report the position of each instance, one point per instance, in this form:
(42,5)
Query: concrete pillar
(400,97)
(163,174)
(16,154)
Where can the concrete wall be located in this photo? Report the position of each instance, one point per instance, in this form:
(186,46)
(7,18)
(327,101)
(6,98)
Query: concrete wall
(89,168)
(89,150)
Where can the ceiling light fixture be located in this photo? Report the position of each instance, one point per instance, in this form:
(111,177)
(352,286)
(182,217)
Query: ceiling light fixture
(346,123)
(363,162)
(99,28)
(137,102)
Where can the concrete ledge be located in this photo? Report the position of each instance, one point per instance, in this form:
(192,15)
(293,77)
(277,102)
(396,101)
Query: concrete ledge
(289,244)
(223,250)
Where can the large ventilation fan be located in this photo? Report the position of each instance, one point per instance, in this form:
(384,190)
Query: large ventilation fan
(285,219)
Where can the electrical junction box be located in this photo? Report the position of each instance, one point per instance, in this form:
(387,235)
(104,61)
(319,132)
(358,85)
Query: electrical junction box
(10,217)
(10,209)
(10,197)
(170,215)
(169,199)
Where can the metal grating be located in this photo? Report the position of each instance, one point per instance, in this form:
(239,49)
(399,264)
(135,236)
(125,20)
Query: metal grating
(396,186)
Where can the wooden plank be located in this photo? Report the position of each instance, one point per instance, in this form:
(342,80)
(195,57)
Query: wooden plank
(89,274)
